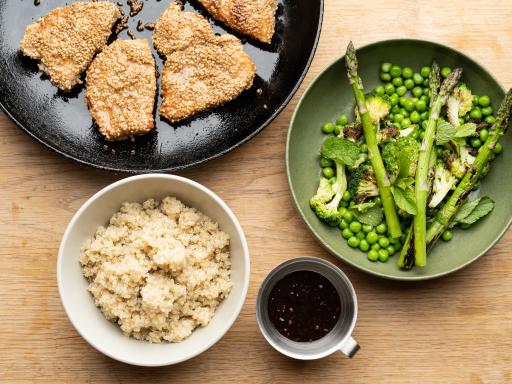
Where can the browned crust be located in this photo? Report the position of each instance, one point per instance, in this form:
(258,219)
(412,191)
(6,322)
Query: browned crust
(121,89)
(254,18)
(202,70)
(66,40)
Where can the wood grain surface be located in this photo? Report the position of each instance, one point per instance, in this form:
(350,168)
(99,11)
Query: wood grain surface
(452,330)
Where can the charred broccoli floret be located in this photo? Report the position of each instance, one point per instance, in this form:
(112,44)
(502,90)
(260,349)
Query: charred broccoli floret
(459,103)
(328,197)
(378,106)
(362,183)
(387,134)
(444,181)
(353,131)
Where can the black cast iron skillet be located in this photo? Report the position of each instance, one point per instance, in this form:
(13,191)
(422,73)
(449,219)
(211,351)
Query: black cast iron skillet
(62,122)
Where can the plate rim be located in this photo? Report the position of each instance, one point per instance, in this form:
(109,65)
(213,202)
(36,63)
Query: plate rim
(196,163)
(296,204)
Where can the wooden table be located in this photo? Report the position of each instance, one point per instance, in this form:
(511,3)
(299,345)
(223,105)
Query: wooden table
(453,330)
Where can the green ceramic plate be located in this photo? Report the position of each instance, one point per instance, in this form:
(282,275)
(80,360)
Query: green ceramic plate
(329,95)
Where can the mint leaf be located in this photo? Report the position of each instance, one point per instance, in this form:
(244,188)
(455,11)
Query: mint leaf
(468,129)
(405,200)
(340,150)
(444,132)
(483,208)
(372,216)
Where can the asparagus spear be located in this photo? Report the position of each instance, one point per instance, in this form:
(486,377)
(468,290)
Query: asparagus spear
(381,176)
(450,208)
(422,185)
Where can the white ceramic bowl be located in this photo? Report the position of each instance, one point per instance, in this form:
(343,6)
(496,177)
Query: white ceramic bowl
(78,303)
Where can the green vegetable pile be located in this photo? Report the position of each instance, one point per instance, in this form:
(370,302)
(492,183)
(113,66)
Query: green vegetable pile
(399,176)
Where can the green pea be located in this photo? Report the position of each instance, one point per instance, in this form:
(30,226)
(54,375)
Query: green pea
(447,235)
(384,242)
(389,88)
(401,90)
(405,123)
(342,120)
(372,237)
(397,118)
(466,117)
(394,99)
(475,99)
(353,242)
(344,203)
(490,119)
(410,105)
(348,216)
(487,111)
(476,114)
(423,115)
(404,112)
(364,246)
(355,226)
(422,135)
(385,77)
(461,121)
(409,83)
(363,148)
(375,246)
(395,71)
(424,98)
(421,105)
(426,92)
(407,72)
(360,236)
(380,90)
(337,129)
(367,228)
(426,83)
(342,211)
(328,128)
(385,67)
(383,255)
(326,162)
(475,142)
(445,71)
(497,149)
(417,78)
(415,135)
(484,134)
(397,81)
(346,196)
(390,249)
(417,91)
(425,71)
(415,117)
(395,109)
(484,101)
(328,172)
(381,228)
(343,224)
(373,255)
(347,233)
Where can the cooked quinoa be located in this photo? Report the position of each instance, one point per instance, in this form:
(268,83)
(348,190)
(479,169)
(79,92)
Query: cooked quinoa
(159,269)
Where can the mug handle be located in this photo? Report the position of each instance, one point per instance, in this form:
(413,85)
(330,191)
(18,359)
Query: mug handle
(350,347)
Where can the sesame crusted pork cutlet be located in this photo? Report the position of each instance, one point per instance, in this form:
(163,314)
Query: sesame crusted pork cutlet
(66,40)
(202,70)
(121,89)
(254,18)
